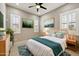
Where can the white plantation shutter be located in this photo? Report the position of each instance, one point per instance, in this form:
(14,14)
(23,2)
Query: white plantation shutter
(15,23)
(69,18)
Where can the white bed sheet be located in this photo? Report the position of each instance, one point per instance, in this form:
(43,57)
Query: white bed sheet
(39,49)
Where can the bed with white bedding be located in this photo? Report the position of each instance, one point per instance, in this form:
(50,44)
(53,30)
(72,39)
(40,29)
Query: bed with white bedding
(39,49)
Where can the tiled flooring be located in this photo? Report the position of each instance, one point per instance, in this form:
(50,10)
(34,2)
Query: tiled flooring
(14,50)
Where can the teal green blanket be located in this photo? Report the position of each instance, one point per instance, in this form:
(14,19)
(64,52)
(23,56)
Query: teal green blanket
(56,47)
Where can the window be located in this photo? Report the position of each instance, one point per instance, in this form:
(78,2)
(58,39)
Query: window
(15,23)
(68,20)
(64,22)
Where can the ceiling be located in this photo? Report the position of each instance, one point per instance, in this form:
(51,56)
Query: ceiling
(24,7)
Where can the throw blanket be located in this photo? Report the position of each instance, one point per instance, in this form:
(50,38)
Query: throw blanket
(56,47)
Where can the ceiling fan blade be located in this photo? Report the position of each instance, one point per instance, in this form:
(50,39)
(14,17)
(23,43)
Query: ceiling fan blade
(37,3)
(43,7)
(32,6)
(40,3)
(37,9)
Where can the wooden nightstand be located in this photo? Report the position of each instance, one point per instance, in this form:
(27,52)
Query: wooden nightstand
(71,41)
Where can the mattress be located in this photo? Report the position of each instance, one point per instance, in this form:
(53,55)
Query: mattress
(39,49)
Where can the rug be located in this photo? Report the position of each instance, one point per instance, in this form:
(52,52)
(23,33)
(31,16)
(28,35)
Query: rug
(65,54)
(23,51)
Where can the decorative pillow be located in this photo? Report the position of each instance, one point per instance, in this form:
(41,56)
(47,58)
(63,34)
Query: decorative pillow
(36,36)
(59,34)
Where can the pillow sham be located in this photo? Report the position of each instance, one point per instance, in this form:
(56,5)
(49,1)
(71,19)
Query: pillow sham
(36,36)
(59,34)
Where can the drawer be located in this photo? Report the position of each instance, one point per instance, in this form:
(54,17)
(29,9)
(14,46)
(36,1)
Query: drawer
(2,48)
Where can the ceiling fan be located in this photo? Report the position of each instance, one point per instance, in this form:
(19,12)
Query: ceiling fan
(38,6)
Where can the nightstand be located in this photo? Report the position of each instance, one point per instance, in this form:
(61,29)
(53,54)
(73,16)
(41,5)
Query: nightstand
(71,41)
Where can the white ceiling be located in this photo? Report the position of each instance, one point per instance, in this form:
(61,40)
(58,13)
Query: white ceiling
(24,6)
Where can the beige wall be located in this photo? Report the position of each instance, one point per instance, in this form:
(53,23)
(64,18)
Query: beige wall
(26,33)
(56,14)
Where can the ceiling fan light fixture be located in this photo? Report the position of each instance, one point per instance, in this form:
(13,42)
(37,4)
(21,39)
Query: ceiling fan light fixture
(38,6)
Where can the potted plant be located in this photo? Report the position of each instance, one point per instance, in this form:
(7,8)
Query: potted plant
(10,32)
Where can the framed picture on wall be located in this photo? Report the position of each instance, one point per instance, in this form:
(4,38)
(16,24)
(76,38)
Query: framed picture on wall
(27,23)
(1,20)
(49,23)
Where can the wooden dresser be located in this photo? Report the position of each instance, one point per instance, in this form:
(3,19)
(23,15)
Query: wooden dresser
(4,46)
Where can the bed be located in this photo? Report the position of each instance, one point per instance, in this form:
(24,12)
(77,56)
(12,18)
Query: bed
(39,49)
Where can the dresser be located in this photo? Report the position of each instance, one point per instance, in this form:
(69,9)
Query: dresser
(4,45)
